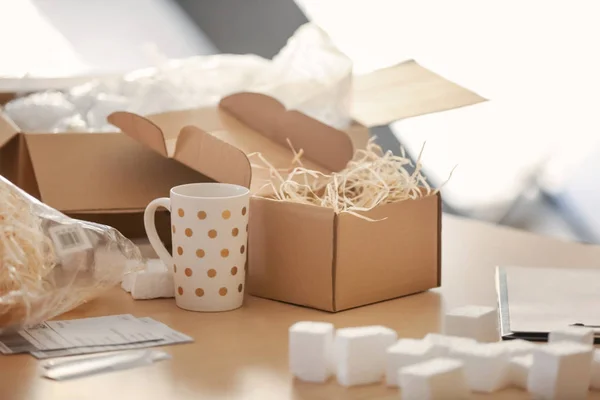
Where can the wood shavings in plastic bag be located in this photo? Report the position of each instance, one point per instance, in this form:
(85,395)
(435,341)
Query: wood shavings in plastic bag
(372,178)
(51,263)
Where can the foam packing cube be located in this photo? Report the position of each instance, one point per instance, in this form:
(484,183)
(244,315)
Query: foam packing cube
(486,366)
(595,378)
(407,352)
(154,282)
(360,354)
(518,347)
(153,285)
(311,350)
(577,334)
(476,322)
(440,378)
(519,370)
(131,267)
(560,370)
(444,343)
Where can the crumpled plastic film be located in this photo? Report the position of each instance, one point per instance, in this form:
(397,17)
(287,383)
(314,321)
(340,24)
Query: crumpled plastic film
(309,74)
(312,76)
(52,263)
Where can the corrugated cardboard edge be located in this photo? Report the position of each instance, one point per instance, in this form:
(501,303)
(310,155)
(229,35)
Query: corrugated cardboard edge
(439,250)
(5,97)
(334,263)
(194,148)
(327,146)
(8,129)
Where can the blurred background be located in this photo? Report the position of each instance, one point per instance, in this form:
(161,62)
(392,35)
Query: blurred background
(528,157)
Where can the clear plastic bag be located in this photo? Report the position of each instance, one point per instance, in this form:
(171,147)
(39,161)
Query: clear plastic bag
(52,263)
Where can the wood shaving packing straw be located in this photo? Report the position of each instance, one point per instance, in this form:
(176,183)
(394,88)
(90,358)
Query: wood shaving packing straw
(371,179)
(26,253)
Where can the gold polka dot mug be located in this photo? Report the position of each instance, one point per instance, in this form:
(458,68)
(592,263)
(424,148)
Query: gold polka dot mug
(209,228)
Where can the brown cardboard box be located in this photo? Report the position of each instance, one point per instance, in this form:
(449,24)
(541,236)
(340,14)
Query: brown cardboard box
(109,178)
(101,177)
(303,254)
(300,254)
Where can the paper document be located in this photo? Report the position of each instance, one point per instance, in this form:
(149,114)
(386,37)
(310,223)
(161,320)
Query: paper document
(535,301)
(89,335)
(167,336)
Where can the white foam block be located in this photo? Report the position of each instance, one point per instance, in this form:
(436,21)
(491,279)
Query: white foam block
(153,285)
(475,322)
(519,370)
(360,354)
(443,343)
(518,347)
(407,352)
(127,282)
(595,373)
(440,378)
(131,266)
(155,265)
(486,366)
(311,350)
(572,334)
(560,370)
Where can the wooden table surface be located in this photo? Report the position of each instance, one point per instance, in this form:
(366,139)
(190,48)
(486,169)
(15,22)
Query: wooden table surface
(242,354)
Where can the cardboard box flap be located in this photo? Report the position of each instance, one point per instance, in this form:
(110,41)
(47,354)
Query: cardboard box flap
(7,129)
(323,144)
(217,141)
(213,157)
(141,129)
(189,145)
(86,172)
(403,91)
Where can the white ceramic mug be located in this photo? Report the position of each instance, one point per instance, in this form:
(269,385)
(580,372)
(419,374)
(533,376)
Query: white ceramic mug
(209,226)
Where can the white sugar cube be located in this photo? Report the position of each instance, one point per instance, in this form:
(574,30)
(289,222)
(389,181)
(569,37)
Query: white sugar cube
(153,285)
(440,378)
(518,347)
(560,370)
(443,343)
(595,379)
(407,352)
(577,334)
(360,354)
(475,322)
(311,350)
(486,366)
(519,370)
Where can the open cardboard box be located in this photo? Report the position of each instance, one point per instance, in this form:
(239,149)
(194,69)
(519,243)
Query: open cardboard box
(110,178)
(107,178)
(304,254)
(300,254)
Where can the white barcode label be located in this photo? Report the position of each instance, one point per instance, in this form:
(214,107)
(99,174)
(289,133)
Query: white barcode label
(69,239)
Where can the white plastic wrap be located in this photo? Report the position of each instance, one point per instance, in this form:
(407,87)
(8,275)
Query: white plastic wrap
(309,74)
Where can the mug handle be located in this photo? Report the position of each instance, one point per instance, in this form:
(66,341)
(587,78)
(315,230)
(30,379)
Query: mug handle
(150,226)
